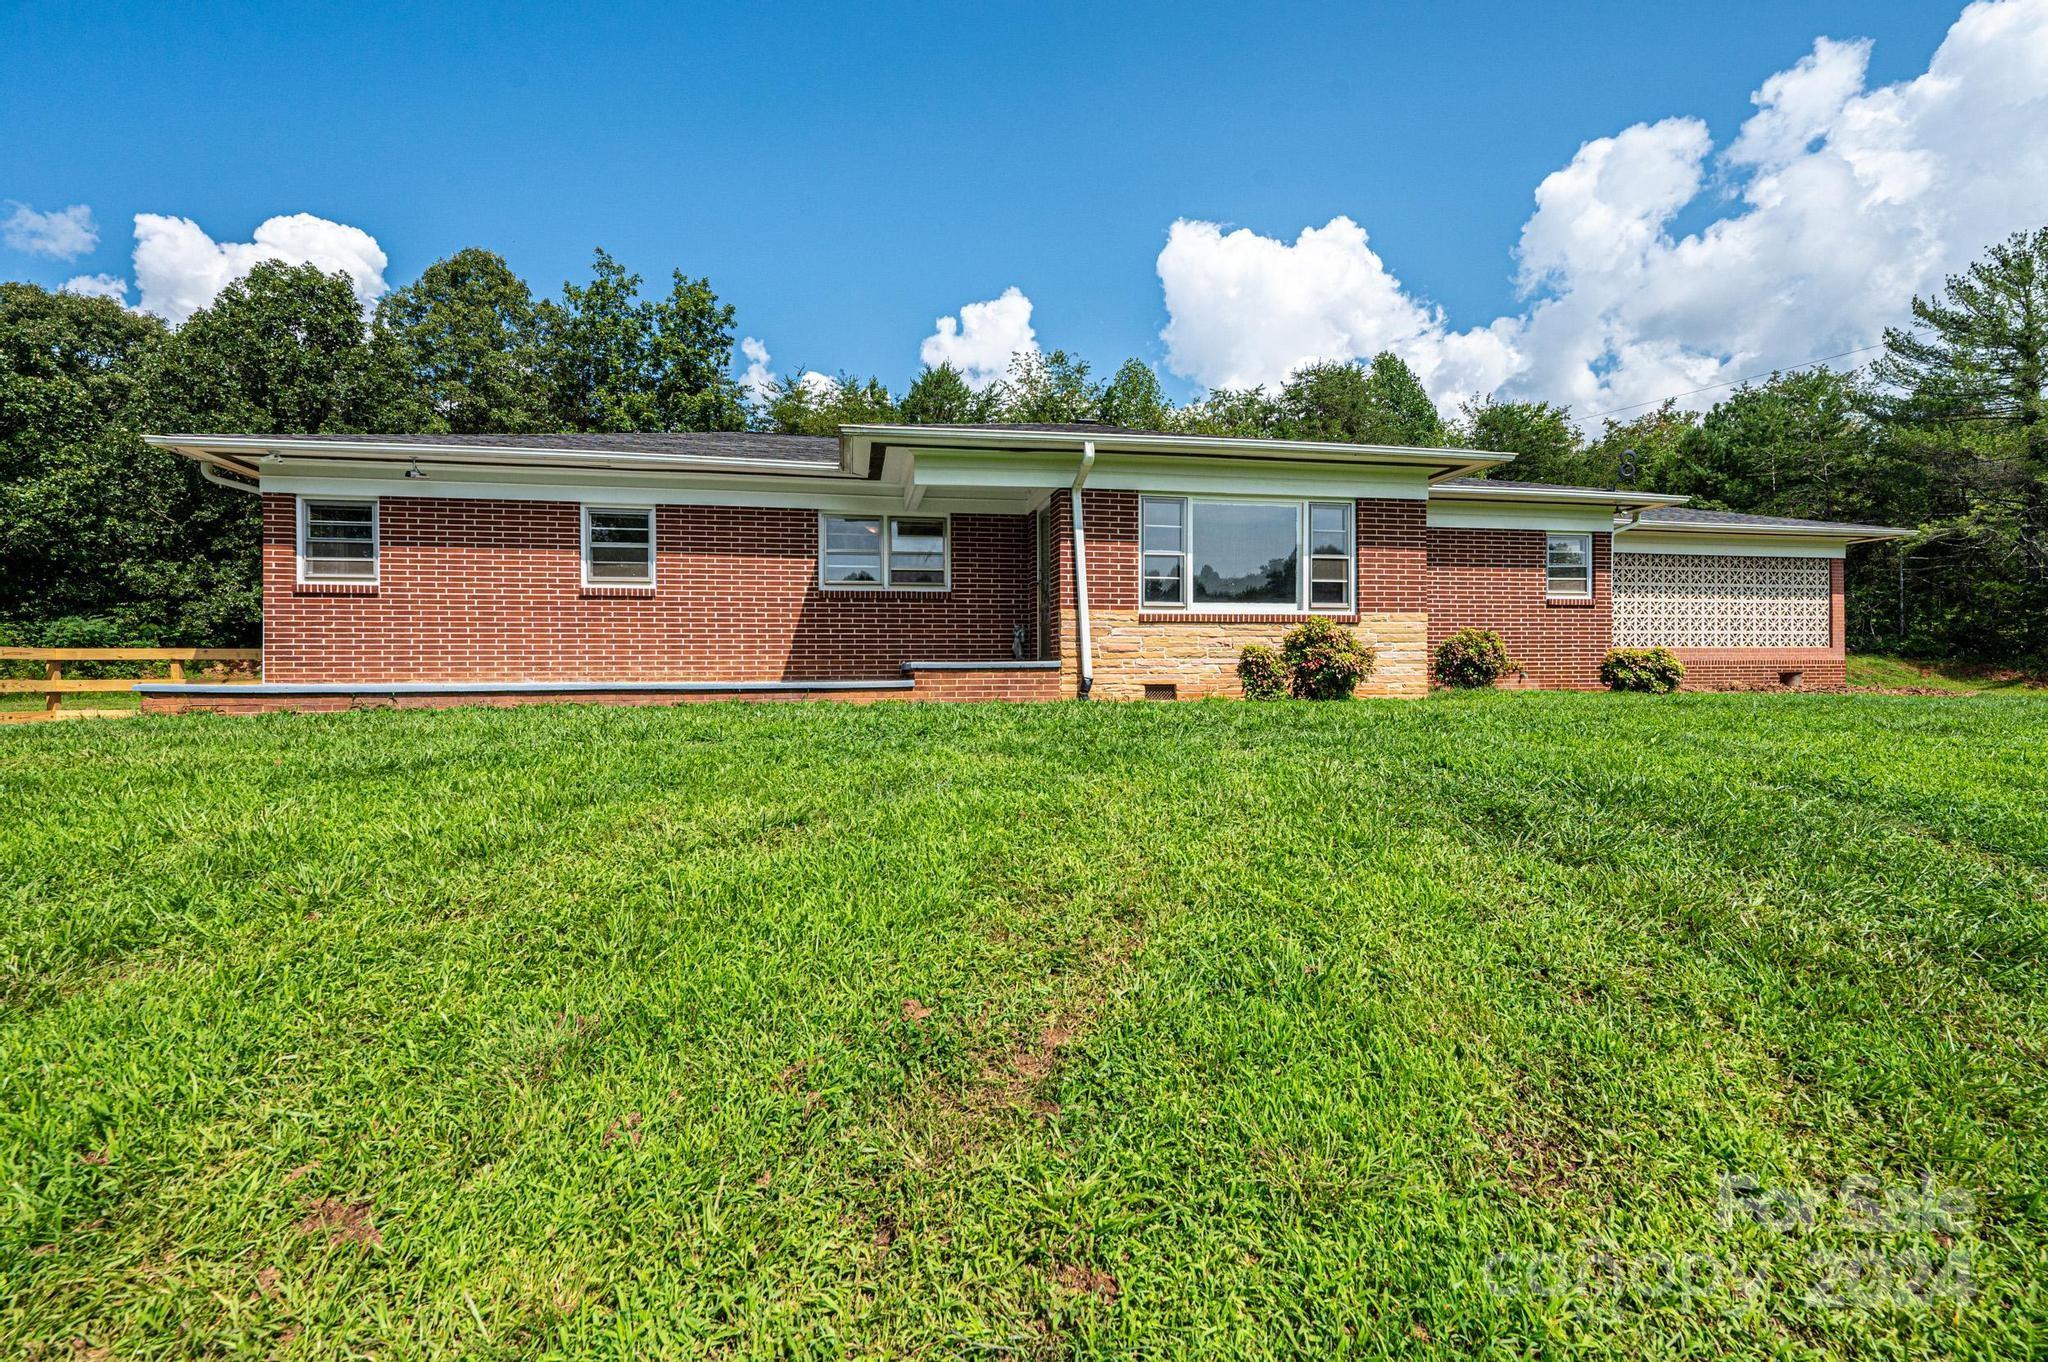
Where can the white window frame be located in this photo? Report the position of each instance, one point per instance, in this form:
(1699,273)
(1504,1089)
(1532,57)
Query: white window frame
(1550,591)
(305,525)
(888,519)
(652,557)
(1304,591)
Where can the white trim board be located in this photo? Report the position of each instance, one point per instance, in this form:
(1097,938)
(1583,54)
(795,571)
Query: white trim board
(1732,545)
(1565,519)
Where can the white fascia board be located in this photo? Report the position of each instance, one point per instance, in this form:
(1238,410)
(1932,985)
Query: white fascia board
(1108,442)
(251,448)
(1562,496)
(1043,472)
(851,496)
(1734,545)
(1520,515)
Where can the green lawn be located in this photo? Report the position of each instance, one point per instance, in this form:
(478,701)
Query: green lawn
(1066,1030)
(1895,673)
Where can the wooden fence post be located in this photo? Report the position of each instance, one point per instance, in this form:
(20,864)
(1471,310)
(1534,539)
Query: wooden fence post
(53,671)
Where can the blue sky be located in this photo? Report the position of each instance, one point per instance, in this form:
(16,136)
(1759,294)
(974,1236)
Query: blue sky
(846,174)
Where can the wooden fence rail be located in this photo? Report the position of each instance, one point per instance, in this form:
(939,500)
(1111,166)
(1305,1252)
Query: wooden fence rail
(53,685)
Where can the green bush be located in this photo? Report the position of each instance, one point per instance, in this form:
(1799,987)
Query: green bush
(1654,670)
(1263,673)
(1323,661)
(1471,658)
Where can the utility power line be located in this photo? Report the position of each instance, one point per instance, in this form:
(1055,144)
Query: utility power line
(1733,382)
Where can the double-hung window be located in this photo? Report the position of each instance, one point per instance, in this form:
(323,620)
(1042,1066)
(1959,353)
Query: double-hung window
(903,553)
(1218,554)
(1568,567)
(618,546)
(337,541)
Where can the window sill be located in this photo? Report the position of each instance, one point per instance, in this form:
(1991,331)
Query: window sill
(831,590)
(593,591)
(1245,616)
(334,588)
(1570,602)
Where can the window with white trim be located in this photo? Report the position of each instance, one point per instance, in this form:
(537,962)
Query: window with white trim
(874,552)
(1568,567)
(337,540)
(1215,553)
(618,546)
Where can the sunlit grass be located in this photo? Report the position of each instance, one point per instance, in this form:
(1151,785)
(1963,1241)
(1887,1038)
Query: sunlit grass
(1059,1030)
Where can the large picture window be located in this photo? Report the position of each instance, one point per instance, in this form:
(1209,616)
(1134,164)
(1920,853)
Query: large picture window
(1214,554)
(902,553)
(337,541)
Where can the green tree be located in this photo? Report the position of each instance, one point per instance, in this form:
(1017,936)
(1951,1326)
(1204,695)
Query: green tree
(942,396)
(1964,394)
(1240,413)
(470,332)
(797,407)
(1050,387)
(1798,444)
(102,537)
(595,345)
(1380,404)
(1656,438)
(282,351)
(1545,443)
(691,359)
(1134,399)
(617,362)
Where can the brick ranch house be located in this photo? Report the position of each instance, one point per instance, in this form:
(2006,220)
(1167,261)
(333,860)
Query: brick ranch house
(968,562)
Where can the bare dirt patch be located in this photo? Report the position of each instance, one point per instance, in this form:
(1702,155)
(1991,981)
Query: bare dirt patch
(342,1222)
(1088,1281)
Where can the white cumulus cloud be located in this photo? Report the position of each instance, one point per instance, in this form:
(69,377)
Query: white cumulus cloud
(1841,202)
(179,268)
(61,234)
(1248,309)
(98,286)
(983,339)
(760,381)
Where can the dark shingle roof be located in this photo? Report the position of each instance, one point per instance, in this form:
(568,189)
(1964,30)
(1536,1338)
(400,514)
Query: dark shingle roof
(1689,515)
(738,444)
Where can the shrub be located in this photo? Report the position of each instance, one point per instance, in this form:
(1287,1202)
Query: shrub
(1472,657)
(1323,661)
(1263,673)
(1655,670)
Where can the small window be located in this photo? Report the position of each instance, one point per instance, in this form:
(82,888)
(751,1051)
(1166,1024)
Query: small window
(618,546)
(337,541)
(1568,567)
(1164,541)
(907,553)
(1330,573)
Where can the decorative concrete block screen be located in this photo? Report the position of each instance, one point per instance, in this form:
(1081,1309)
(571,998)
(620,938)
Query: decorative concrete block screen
(1710,600)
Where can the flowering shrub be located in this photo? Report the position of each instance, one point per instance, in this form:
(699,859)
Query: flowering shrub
(1323,661)
(1472,657)
(1655,670)
(1263,673)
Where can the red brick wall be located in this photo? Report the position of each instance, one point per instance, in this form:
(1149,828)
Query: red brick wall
(476,590)
(1494,579)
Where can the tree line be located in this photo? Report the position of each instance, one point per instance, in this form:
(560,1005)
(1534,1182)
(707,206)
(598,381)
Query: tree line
(106,541)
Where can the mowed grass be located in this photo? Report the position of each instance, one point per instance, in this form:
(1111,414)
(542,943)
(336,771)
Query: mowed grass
(1066,1030)
(1876,669)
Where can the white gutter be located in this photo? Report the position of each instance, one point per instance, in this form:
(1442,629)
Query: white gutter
(214,474)
(246,447)
(1087,653)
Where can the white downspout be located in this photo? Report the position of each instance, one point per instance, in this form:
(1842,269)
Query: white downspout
(1081,569)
